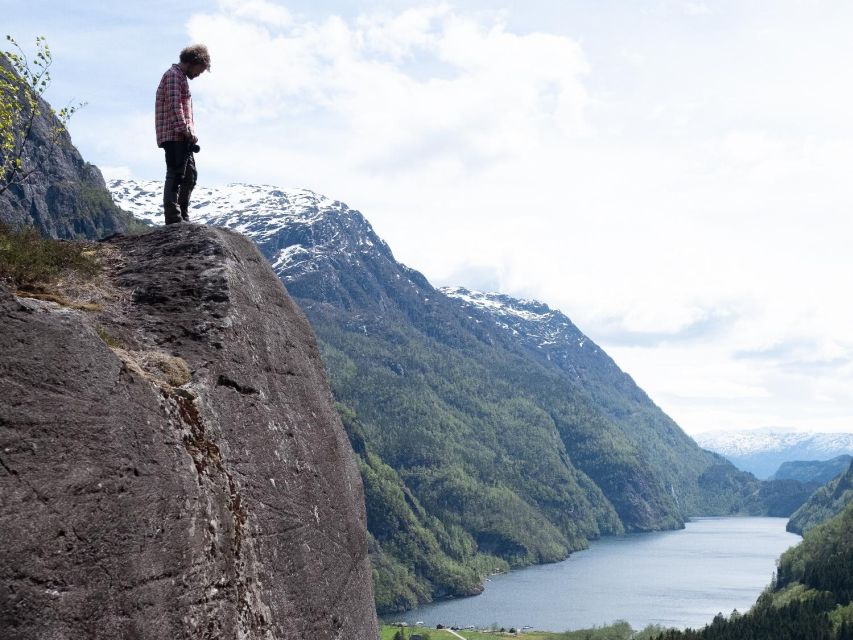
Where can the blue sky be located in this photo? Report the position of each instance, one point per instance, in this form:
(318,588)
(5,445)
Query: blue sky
(672,174)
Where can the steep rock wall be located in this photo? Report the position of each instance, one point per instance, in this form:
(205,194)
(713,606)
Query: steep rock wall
(171,461)
(67,197)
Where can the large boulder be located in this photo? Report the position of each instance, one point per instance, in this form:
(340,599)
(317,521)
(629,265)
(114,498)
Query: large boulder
(171,461)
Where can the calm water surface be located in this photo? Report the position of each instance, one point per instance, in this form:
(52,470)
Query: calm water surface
(674,578)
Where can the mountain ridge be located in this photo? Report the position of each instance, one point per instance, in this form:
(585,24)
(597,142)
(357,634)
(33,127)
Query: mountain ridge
(821,471)
(490,442)
(67,196)
(824,503)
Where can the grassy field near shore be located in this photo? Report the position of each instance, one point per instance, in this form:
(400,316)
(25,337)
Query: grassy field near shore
(388,631)
(619,630)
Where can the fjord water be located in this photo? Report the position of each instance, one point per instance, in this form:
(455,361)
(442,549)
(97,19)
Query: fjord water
(673,578)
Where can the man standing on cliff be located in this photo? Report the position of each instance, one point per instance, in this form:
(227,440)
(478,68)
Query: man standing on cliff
(173,120)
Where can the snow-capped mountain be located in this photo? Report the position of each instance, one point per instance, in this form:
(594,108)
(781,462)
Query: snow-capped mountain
(762,451)
(296,229)
(765,441)
(548,334)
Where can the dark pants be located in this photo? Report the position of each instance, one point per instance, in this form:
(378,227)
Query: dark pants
(180,180)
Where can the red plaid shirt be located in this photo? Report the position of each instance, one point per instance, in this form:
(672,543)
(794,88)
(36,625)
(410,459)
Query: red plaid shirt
(173,108)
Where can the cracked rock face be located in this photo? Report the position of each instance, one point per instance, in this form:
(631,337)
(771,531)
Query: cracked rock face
(172,465)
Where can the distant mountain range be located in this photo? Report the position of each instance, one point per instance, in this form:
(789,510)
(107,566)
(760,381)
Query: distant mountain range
(490,431)
(762,451)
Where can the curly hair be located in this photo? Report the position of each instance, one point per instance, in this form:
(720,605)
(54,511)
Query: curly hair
(196,54)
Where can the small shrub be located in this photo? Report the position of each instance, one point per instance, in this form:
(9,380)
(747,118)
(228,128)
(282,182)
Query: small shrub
(28,260)
(171,369)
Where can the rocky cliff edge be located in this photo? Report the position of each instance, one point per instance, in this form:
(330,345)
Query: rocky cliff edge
(171,462)
(66,197)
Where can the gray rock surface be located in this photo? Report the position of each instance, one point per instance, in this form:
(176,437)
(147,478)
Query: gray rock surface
(67,197)
(171,463)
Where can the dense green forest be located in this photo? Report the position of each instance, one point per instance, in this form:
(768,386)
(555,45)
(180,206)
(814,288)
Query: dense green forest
(824,503)
(479,449)
(811,596)
(498,461)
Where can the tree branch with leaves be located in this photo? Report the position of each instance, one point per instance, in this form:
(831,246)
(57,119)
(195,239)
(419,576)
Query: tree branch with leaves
(22,85)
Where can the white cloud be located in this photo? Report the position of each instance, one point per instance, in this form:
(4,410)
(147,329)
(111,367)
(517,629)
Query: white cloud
(478,91)
(261,11)
(399,36)
(688,197)
(131,133)
(696,8)
(116,173)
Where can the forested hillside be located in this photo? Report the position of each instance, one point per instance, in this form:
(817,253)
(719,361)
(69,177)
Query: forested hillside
(824,503)
(481,445)
(820,471)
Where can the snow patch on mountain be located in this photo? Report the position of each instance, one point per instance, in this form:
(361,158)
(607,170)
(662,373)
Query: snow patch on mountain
(500,304)
(765,441)
(227,206)
(296,229)
(534,319)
